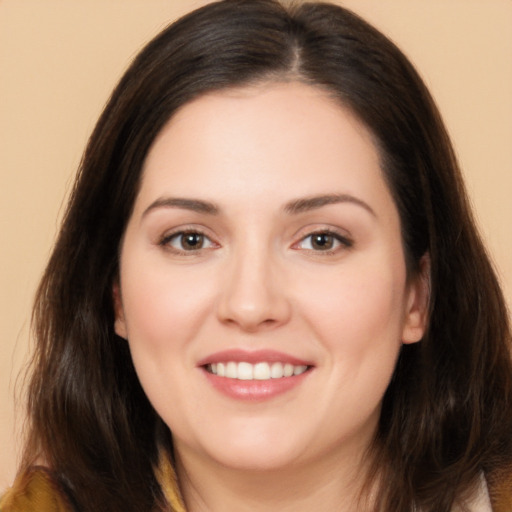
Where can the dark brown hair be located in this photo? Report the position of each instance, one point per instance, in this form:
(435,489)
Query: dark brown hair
(447,413)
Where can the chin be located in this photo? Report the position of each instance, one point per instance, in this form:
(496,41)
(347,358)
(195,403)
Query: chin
(258,459)
(253,449)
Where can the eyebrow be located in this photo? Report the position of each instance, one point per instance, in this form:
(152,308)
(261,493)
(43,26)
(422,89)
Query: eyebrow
(312,203)
(293,207)
(195,205)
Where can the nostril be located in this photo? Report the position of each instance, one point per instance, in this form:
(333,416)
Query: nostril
(252,300)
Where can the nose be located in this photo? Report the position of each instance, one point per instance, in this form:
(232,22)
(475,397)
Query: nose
(254,295)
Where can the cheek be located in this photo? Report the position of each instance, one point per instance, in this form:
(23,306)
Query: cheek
(162,305)
(357,312)
(164,309)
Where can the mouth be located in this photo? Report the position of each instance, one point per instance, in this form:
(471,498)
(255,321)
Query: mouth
(260,371)
(254,375)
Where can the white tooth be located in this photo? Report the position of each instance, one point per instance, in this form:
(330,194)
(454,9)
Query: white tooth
(245,371)
(231,370)
(261,371)
(288,370)
(276,371)
(299,369)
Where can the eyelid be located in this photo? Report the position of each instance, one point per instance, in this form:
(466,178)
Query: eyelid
(168,236)
(344,241)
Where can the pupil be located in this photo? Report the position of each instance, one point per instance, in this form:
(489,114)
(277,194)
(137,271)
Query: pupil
(192,241)
(322,241)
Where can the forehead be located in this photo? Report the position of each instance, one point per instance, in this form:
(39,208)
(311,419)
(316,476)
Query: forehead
(264,109)
(278,139)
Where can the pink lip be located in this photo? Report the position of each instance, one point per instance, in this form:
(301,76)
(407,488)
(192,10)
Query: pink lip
(253,357)
(253,390)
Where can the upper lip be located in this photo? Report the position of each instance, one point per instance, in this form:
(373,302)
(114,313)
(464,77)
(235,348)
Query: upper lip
(253,357)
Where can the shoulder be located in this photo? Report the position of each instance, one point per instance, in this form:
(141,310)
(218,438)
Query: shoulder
(35,490)
(500,490)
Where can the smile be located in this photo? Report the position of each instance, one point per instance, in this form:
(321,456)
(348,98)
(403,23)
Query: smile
(260,371)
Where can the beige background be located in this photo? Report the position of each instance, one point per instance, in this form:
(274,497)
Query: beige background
(59,61)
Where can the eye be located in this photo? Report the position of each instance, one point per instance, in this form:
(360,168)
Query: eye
(187,241)
(323,241)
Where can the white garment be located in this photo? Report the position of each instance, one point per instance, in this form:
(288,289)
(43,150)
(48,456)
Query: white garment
(480,501)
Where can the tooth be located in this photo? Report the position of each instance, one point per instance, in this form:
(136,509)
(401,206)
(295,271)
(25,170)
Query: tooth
(231,370)
(288,370)
(261,371)
(299,369)
(276,371)
(245,371)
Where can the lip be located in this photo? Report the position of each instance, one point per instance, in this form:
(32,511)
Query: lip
(253,357)
(253,390)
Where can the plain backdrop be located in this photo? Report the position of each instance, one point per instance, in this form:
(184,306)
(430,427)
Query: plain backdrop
(59,61)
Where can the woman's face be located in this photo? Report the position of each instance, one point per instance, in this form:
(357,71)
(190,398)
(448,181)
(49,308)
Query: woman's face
(263,288)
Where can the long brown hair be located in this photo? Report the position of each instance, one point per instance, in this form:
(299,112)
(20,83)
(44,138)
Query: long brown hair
(447,413)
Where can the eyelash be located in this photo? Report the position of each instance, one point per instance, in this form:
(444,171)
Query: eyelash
(342,240)
(168,238)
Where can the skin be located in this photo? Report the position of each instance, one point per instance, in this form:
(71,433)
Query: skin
(259,282)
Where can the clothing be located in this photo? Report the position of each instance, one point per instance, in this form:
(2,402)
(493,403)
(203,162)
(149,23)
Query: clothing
(36,491)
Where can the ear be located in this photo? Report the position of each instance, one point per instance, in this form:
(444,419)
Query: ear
(119,322)
(418,299)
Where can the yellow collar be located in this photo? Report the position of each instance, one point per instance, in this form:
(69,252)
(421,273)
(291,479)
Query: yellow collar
(168,481)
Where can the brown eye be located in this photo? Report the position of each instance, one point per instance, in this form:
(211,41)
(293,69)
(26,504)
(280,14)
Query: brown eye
(192,241)
(187,241)
(322,241)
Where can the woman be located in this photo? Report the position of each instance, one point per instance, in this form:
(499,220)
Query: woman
(268,292)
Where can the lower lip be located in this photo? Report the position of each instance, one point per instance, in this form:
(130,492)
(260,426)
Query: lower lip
(255,390)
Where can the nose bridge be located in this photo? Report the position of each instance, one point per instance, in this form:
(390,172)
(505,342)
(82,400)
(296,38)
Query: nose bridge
(253,295)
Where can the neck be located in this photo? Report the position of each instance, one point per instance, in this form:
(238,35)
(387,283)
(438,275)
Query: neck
(327,484)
